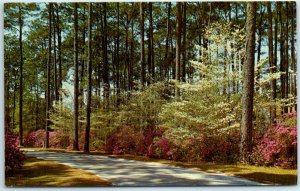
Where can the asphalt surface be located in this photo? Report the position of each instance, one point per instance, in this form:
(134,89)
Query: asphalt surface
(123,172)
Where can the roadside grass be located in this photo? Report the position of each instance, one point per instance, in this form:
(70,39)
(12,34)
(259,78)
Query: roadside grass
(40,173)
(267,175)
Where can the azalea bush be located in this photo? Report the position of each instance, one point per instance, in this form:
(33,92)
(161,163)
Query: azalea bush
(278,147)
(128,140)
(35,138)
(14,157)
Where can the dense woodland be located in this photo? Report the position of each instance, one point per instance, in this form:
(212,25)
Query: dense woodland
(188,81)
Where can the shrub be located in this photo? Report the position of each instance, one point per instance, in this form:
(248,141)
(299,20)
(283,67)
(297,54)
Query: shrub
(160,148)
(205,147)
(35,138)
(142,110)
(129,140)
(278,147)
(14,158)
(59,139)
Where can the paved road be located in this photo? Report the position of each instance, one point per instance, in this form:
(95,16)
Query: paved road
(123,172)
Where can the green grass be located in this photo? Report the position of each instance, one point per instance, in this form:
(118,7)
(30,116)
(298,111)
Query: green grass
(268,175)
(38,172)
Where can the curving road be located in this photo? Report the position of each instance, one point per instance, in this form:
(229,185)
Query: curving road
(123,172)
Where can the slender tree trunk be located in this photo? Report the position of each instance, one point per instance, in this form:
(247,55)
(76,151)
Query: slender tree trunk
(118,55)
(247,110)
(293,57)
(7,83)
(76,92)
(151,43)
(82,60)
(142,45)
(127,66)
(88,106)
(14,102)
(105,63)
(184,43)
(286,63)
(21,78)
(59,51)
(271,59)
(178,43)
(56,96)
(260,30)
(131,53)
(48,98)
(167,59)
(282,55)
(225,72)
(275,53)
(36,99)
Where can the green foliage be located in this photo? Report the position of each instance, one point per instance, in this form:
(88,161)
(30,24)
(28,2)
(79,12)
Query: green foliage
(143,107)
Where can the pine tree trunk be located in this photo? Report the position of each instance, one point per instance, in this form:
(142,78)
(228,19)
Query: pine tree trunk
(178,43)
(76,92)
(21,78)
(282,54)
(247,101)
(142,45)
(131,53)
(286,63)
(48,98)
(271,59)
(59,51)
(260,29)
(293,57)
(88,106)
(118,54)
(275,53)
(56,96)
(184,43)
(106,86)
(166,60)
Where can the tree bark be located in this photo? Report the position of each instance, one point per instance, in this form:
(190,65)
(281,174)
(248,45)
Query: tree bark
(48,98)
(76,92)
(184,43)
(275,50)
(150,48)
(260,29)
(56,95)
(142,45)
(247,110)
(178,43)
(286,63)
(271,59)
(88,106)
(167,59)
(118,54)
(59,51)
(131,54)
(106,85)
(283,45)
(21,78)
(293,57)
